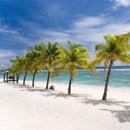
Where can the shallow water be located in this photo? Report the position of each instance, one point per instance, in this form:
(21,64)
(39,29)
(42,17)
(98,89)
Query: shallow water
(118,78)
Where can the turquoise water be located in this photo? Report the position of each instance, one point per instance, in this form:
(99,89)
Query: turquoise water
(119,78)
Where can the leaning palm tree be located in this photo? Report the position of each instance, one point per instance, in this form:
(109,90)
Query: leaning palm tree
(116,48)
(33,57)
(39,50)
(97,47)
(51,59)
(73,58)
(25,64)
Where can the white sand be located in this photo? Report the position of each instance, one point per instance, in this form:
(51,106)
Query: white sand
(36,109)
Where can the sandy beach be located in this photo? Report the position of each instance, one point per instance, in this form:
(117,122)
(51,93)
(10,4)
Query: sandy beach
(26,108)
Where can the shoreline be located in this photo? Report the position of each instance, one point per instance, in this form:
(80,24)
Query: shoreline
(117,78)
(117,93)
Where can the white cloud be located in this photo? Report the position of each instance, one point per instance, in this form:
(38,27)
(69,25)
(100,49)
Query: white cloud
(14,37)
(118,3)
(96,34)
(4,64)
(6,53)
(4,29)
(86,30)
(13,34)
(5,57)
(86,33)
(123,2)
(89,22)
(55,36)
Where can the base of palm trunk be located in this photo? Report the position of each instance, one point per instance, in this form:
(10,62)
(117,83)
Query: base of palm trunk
(107,81)
(46,88)
(69,87)
(48,79)
(69,91)
(104,97)
(24,83)
(24,78)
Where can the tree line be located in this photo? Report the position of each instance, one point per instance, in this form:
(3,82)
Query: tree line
(57,58)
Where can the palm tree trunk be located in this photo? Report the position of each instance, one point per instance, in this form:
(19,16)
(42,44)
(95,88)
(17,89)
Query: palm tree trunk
(7,77)
(105,66)
(69,87)
(25,77)
(107,81)
(48,79)
(34,74)
(4,77)
(13,79)
(17,78)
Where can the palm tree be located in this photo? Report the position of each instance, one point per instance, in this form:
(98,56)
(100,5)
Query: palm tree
(33,56)
(25,68)
(30,59)
(97,47)
(51,59)
(14,69)
(116,48)
(17,66)
(31,62)
(72,58)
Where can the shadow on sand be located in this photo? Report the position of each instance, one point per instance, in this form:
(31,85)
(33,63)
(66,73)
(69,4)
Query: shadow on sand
(65,95)
(29,88)
(122,115)
(1,82)
(107,102)
(20,85)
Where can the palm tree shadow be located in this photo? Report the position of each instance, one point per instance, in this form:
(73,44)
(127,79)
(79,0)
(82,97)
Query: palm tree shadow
(37,89)
(56,95)
(65,95)
(2,82)
(106,102)
(20,86)
(29,88)
(121,115)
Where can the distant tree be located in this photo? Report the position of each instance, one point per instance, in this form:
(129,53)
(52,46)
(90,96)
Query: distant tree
(17,66)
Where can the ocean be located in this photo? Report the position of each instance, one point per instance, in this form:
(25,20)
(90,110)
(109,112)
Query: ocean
(118,77)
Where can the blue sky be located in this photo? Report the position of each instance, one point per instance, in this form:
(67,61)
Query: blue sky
(26,22)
